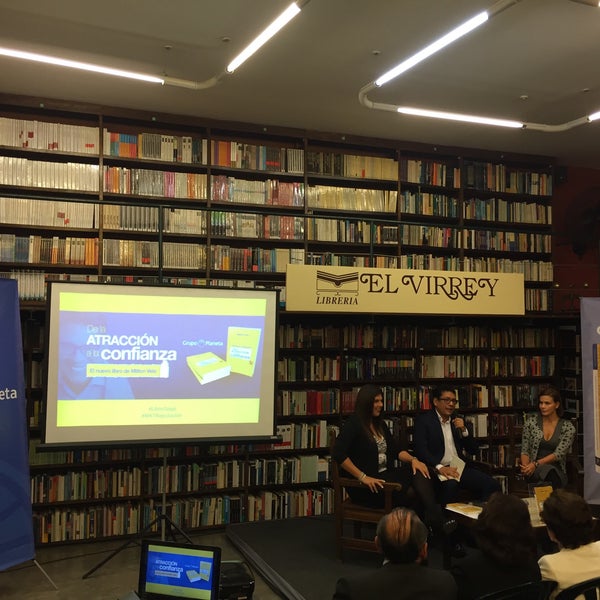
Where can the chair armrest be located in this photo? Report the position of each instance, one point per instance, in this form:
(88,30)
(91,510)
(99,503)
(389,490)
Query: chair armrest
(388,489)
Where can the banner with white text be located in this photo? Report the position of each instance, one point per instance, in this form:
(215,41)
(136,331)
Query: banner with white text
(590,355)
(403,291)
(16,528)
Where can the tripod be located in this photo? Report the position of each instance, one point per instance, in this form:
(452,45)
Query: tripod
(162,518)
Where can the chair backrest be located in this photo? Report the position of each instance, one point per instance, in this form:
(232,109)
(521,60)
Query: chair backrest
(588,589)
(532,590)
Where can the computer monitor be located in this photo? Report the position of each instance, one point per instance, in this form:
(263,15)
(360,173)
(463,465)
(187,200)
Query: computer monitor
(171,570)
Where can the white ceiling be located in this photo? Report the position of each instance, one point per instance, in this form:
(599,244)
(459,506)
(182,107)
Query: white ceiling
(309,76)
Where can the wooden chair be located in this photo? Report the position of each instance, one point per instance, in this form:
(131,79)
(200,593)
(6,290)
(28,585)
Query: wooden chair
(532,590)
(350,518)
(517,484)
(590,590)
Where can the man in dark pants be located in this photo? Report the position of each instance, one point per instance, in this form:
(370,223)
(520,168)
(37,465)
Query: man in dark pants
(440,437)
(402,538)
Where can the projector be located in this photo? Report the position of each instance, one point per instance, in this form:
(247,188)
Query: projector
(237,583)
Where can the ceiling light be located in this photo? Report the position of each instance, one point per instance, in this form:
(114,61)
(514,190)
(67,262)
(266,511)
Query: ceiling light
(436,46)
(266,35)
(441,43)
(281,21)
(74,64)
(437,114)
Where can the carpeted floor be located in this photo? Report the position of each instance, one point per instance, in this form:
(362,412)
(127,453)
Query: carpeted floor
(297,556)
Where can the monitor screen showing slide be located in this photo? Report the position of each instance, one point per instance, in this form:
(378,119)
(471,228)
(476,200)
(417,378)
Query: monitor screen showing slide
(135,364)
(171,570)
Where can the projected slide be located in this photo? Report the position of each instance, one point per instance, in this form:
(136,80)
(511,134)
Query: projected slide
(200,359)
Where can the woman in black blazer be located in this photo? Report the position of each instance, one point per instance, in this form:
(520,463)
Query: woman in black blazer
(366,449)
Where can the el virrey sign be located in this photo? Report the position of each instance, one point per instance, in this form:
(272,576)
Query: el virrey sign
(349,289)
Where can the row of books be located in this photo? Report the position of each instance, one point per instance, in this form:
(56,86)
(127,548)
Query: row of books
(523,337)
(254,157)
(15,171)
(429,172)
(307,402)
(438,237)
(270,192)
(351,260)
(506,241)
(146,182)
(411,260)
(248,225)
(500,178)
(428,203)
(308,468)
(156,146)
(359,367)
(348,165)
(518,395)
(262,260)
(533,270)
(499,209)
(538,300)
(86,485)
(312,368)
(522,366)
(45,135)
(49,213)
(303,435)
(196,476)
(438,366)
(35,249)
(351,199)
(60,525)
(352,232)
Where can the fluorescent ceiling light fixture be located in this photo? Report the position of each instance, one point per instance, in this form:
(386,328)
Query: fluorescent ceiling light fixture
(74,64)
(281,21)
(265,36)
(441,43)
(437,114)
(593,117)
(436,46)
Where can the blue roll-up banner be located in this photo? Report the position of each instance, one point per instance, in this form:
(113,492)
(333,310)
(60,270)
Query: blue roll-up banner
(16,526)
(590,355)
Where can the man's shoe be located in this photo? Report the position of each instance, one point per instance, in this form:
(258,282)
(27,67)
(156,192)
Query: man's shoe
(458,551)
(449,526)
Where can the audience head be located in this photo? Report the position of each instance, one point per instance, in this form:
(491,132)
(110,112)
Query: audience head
(568,518)
(504,531)
(402,536)
(549,397)
(365,398)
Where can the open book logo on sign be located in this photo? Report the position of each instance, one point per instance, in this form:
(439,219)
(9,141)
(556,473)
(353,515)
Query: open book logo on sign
(337,284)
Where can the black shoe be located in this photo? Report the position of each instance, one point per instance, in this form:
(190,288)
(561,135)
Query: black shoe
(458,551)
(449,526)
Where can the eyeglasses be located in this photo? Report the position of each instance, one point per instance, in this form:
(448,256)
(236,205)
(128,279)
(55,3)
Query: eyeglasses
(449,400)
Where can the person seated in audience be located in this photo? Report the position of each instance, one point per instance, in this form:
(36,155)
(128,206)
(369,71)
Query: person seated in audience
(546,441)
(402,539)
(366,449)
(506,549)
(569,521)
(440,438)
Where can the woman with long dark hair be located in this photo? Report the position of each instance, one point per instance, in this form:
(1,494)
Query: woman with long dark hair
(366,449)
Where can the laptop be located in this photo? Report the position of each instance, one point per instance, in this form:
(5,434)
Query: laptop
(172,571)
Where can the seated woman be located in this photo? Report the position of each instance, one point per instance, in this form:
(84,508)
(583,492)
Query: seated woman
(568,518)
(547,439)
(506,554)
(366,449)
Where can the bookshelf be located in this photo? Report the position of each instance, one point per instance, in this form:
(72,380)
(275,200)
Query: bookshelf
(123,196)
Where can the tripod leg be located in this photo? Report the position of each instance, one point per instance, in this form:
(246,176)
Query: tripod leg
(111,555)
(37,564)
(172,526)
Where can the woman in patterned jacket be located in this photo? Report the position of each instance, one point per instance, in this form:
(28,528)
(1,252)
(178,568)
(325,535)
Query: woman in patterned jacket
(547,439)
